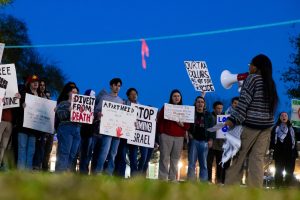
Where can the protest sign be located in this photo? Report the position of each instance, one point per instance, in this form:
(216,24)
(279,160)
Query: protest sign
(179,113)
(199,76)
(118,120)
(8,72)
(295,118)
(221,119)
(39,113)
(82,108)
(145,126)
(1,51)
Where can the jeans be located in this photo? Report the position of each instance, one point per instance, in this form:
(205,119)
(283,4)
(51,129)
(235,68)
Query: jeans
(86,151)
(26,148)
(133,157)
(68,136)
(39,151)
(120,160)
(197,151)
(107,151)
(146,154)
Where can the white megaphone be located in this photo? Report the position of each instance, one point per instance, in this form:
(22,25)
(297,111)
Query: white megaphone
(227,78)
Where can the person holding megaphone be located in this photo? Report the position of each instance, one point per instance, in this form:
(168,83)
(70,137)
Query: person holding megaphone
(255,112)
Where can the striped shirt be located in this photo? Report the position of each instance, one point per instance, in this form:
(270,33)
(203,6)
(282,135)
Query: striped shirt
(253,110)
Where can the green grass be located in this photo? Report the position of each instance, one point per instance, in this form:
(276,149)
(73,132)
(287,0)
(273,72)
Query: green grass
(21,185)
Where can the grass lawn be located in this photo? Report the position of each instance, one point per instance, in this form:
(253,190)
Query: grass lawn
(21,185)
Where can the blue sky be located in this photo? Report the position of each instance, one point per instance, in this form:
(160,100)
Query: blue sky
(69,21)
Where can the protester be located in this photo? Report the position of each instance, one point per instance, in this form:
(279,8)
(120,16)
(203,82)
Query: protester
(106,146)
(171,141)
(255,111)
(234,103)
(199,140)
(216,151)
(44,141)
(120,161)
(26,136)
(86,147)
(6,128)
(284,145)
(68,133)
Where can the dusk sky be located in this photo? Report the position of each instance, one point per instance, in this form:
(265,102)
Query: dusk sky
(91,67)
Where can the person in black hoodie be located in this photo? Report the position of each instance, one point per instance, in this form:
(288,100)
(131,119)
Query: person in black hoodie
(284,147)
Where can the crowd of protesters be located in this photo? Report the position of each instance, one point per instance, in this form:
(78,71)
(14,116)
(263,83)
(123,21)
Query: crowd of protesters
(98,154)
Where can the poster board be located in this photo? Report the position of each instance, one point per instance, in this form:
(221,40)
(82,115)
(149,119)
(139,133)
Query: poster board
(118,120)
(145,126)
(199,76)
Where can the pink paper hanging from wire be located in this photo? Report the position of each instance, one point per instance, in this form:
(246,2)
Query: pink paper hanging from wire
(145,52)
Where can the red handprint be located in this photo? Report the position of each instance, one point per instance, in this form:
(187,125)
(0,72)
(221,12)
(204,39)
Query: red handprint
(119,132)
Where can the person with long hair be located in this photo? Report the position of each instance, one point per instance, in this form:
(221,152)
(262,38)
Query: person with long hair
(44,141)
(171,141)
(284,147)
(68,133)
(255,112)
(199,140)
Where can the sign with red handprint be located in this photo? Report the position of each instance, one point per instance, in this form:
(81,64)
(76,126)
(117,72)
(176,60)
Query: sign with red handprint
(82,108)
(118,120)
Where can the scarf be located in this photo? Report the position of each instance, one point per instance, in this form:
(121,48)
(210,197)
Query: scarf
(282,131)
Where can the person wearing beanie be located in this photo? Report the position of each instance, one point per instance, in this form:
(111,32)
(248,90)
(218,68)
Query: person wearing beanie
(68,133)
(86,147)
(26,136)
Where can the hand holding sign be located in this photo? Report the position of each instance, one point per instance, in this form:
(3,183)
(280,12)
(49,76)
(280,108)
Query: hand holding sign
(199,76)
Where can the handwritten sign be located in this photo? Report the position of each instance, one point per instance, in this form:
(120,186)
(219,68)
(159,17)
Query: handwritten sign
(118,120)
(145,126)
(179,113)
(295,116)
(82,108)
(8,72)
(199,76)
(221,119)
(39,113)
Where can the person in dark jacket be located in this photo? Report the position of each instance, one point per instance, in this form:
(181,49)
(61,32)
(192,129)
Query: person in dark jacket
(284,147)
(44,141)
(199,140)
(86,147)
(26,136)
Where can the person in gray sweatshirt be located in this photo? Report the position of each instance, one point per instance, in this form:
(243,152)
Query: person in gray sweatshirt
(106,146)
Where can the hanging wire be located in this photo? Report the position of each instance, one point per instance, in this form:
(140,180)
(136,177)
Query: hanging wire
(167,37)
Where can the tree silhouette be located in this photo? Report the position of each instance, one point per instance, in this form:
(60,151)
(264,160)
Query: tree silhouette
(27,60)
(292,74)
